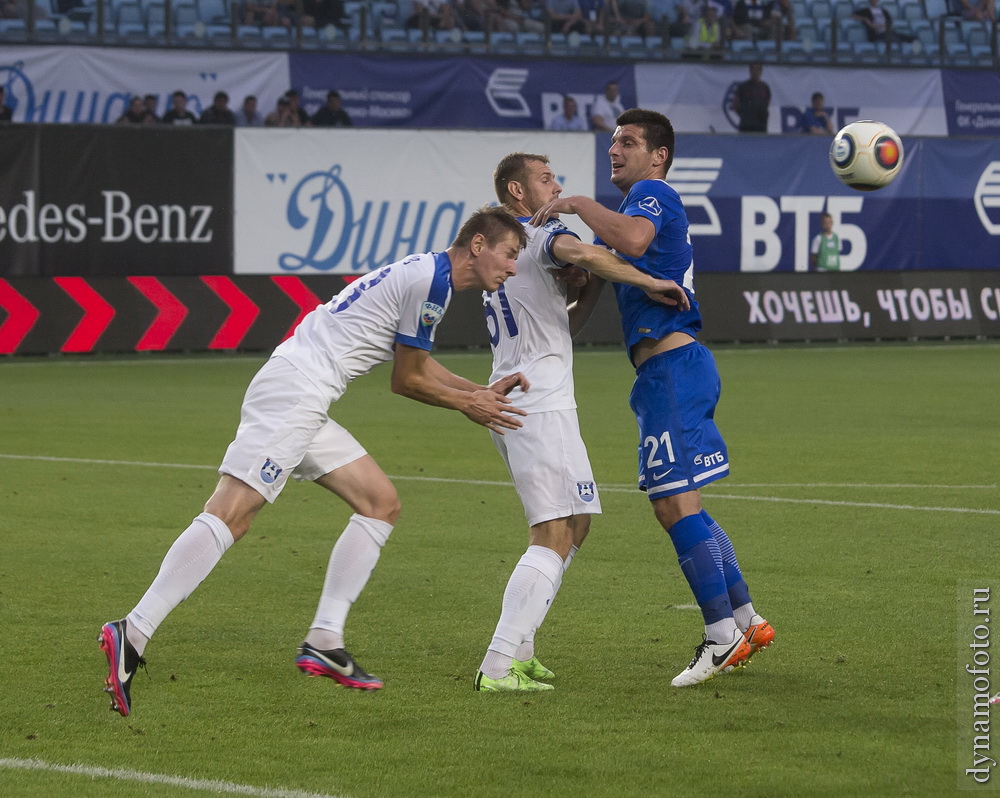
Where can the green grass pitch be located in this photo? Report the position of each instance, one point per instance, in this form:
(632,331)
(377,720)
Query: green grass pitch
(863,497)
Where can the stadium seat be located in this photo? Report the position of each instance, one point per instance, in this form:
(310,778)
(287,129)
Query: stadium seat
(821,9)
(213,12)
(853,32)
(185,14)
(843,9)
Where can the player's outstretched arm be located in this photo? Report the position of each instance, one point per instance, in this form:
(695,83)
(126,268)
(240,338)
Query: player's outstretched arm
(416,375)
(606,264)
(630,235)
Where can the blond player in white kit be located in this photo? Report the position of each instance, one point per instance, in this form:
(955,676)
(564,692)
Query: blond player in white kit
(285,430)
(531,331)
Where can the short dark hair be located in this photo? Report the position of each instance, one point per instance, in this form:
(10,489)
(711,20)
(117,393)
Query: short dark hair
(656,129)
(513,167)
(150,97)
(493,224)
(180,93)
(333,93)
(221,95)
(817,94)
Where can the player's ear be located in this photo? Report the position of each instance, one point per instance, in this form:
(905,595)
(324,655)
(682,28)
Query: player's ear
(515,189)
(477,243)
(660,156)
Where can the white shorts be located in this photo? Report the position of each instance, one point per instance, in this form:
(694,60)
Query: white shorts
(285,431)
(549,465)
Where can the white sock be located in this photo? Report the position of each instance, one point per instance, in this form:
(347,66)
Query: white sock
(188,561)
(530,586)
(722,631)
(527,649)
(744,616)
(351,563)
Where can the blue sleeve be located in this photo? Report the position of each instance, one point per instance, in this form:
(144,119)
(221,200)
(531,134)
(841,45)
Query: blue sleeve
(432,308)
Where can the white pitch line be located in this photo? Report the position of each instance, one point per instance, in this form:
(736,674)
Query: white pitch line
(605,488)
(125,774)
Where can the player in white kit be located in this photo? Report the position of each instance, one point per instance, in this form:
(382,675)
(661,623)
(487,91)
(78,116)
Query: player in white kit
(285,430)
(531,331)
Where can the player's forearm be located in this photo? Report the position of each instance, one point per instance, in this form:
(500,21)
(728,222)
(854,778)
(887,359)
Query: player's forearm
(427,390)
(449,379)
(626,234)
(581,310)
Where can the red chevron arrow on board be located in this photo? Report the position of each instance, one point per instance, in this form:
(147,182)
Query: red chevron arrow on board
(242,312)
(171,313)
(297,291)
(97,314)
(21,317)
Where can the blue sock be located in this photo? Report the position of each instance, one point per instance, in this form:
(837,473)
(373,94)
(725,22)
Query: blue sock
(739,593)
(701,561)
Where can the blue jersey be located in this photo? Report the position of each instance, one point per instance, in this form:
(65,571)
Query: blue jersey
(668,257)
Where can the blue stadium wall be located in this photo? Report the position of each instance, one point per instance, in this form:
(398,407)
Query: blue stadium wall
(122,239)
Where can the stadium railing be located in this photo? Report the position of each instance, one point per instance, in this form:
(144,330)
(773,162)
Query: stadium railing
(827,33)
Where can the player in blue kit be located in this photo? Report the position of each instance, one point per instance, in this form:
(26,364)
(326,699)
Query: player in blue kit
(676,387)
(285,430)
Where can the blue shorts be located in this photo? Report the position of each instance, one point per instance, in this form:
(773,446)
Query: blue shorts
(674,399)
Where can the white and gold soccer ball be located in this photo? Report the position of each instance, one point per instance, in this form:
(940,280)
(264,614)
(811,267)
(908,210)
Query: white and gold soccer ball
(866,155)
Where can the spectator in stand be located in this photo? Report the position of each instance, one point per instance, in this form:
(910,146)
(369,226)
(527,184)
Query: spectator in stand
(331,114)
(783,20)
(633,17)
(137,113)
(594,13)
(687,12)
(434,14)
(606,108)
(878,24)
(504,15)
(178,113)
(325,13)
(150,102)
(533,16)
(288,15)
(752,20)
(282,115)
(248,115)
(725,10)
(751,101)
(569,119)
(297,110)
(18,9)
(705,39)
(260,12)
(218,113)
(564,16)
(977,10)
(470,14)
(816,120)
(6,112)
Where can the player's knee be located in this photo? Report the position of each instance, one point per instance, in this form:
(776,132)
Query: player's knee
(385,506)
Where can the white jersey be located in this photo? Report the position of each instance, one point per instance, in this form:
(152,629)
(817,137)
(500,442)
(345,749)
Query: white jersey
(357,329)
(529,326)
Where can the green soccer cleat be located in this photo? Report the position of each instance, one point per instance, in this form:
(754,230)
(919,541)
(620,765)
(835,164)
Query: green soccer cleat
(533,669)
(514,681)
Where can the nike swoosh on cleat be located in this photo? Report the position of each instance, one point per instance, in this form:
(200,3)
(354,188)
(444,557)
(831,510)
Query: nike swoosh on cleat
(123,675)
(718,662)
(343,670)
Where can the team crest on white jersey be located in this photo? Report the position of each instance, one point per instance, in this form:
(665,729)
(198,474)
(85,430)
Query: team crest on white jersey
(650,205)
(430,314)
(270,471)
(586,491)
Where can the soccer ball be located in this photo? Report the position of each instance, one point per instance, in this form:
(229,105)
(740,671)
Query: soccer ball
(866,155)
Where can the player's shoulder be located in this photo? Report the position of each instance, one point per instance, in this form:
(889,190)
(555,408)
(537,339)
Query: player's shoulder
(653,196)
